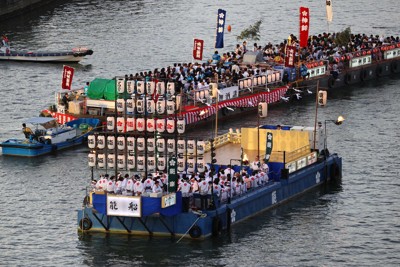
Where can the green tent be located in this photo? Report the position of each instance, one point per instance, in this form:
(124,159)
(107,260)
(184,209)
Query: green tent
(102,89)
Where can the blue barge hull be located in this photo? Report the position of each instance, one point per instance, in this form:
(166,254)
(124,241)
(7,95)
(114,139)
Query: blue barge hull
(199,225)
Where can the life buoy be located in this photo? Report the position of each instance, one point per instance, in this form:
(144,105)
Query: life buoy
(195,231)
(379,71)
(216,226)
(363,75)
(395,67)
(347,78)
(335,172)
(331,82)
(85,224)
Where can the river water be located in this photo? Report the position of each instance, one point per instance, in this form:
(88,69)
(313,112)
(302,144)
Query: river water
(357,224)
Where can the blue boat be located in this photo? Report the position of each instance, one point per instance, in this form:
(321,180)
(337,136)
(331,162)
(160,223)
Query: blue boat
(297,160)
(49,137)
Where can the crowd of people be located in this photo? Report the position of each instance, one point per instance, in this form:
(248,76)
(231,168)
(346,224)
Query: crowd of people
(224,183)
(228,68)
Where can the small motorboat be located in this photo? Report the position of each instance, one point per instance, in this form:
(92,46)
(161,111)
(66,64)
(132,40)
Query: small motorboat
(75,55)
(49,137)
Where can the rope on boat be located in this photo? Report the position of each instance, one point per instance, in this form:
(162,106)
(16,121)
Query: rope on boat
(201,215)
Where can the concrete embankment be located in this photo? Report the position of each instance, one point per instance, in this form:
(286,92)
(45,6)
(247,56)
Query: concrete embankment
(13,8)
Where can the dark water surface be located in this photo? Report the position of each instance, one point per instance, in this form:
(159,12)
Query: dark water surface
(357,224)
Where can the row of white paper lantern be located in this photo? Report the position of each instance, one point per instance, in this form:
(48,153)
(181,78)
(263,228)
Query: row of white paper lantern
(142,87)
(150,125)
(129,162)
(182,146)
(161,106)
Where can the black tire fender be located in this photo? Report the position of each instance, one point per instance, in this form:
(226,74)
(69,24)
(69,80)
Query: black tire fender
(85,224)
(195,231)
(335,172)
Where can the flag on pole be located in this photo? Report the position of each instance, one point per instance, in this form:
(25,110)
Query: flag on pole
(219,42)
(198,46)
(304,25)
(268,147)
(329,12)
(290,55)
(68,74)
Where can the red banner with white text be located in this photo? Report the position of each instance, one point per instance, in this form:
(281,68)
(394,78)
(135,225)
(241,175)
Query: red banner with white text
(68,74)
(198,49)
(304,25)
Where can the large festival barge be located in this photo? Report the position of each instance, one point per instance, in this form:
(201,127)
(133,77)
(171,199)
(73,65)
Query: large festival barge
(295,160)
(277,84)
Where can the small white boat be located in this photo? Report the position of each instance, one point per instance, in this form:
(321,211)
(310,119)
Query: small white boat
(75,55)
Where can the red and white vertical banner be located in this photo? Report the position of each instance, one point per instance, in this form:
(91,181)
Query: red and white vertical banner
(68,74)
(329,11)
(304,25)
(290,56)
(198,46)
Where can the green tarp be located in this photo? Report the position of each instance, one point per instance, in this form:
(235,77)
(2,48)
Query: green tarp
(102,89)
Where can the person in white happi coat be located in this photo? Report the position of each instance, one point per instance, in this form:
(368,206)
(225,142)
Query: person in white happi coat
(156,187)
(124,182)
(229,170)
(110,185)
(138,188)
(148,184)
(184,187)
(117,186)
(203,190)
(102,183)
(129,186)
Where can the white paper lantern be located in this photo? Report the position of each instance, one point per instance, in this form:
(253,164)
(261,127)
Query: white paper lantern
(206,94)
(110,123)
(140,87)
(120,85)
(120,105)
(160,105)
(120,124)
(181,146)
(262,109)
(201,165)
(101,142)
(121,161)
(161,163)
(201,147)
(110,142)
(180,126)
(130,124)
(190,165)
(130,86)
(170,125)
(171,145)
(151,143)
(160,125)
(101,160)
(160,88)
(269,78)
(264,79)
(140,163)
(92,159)
(121,142)
(130,143)
(151,163)
(181,164)
(171,88)
(151,106)
(150,125)
(140,105)
(273,77)
(150,87)
(191,146)
(111,161)
(130,105)
(140,144)
(140,124)
(131,162)
(160,145)
(170,107)
(91,141)
(278,76)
